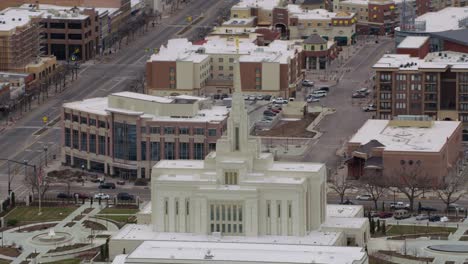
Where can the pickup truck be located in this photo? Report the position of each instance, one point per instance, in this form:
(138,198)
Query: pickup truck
(399,205)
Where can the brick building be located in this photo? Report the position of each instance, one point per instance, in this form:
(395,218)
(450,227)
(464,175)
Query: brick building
(413,144)
(185,68)
(126,134)
(436,86)
(318,52)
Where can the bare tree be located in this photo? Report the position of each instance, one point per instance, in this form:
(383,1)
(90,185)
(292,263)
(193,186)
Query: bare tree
(39,187)
(340,185)
(450,190)
(411,181)
(373,183)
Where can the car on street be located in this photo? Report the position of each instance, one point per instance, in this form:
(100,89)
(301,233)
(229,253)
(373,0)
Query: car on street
(280,100)
(259,97)
(401,214)
(319,93)
(102,196)
(267,97)
(347,202)
(307,83)
(444,219)
(224,96)
(252,98)
(358,95)
(385,214)
(434,218)
(107,185)
(428,209)
(363,91)
(369,108)
(217,96)
(364,197)
(246,97)
(64,196)
(121,182)
(268,118)
(324,88)
(125,196)
(455,207)
(274,110)
(311,99)
(81,195)
(269,113)
(399,205)
(422,217)
(374,214)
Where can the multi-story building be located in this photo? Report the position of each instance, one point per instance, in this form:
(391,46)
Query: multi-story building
(436,86)
(301,23)
(126,133)
(434,23)
(18,82)
(240,205)
(184,68)
(20,39)
(318,52)
(408,144)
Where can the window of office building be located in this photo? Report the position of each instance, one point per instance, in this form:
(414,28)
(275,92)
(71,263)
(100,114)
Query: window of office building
(184,150)
(67,137)
(102,124)
(211,147)
(169,150)
(226,217)
(168,130)
(57,25)
(143,150)
(83,120)
(75,118)
(212,132)
(415,77)
(84,141)
(401,86)
(155,130)
(400,96)
(183,130)
(67,116)
(102,145)
(400,105)
(231,178)
(198,151)
(155,151)
(199,131)
(92,143)
(57,36)
(385,77)
(74,25)
(75,139)
(92,122)
(125,140)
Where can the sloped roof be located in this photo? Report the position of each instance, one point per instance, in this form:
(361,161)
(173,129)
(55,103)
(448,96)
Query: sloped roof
(373,162)
(459,36)
(315,39)
(367,148)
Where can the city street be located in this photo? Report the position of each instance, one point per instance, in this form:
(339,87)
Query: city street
(19,143)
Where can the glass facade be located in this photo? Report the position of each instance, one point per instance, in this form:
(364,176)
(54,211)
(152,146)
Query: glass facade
(92,143)
(184,150)
(143,150)
(67,137)
(155,151)
(75,139)
(198,151)
(102,145)
(125,138)
(169,151)
(84,141)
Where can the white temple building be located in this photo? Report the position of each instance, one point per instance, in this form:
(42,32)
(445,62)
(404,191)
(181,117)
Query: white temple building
(239,205)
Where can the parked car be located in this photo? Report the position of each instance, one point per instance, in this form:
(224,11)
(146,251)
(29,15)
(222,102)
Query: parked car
(269,118)
(422,217)
(311,99)
(324,88)
(291,99)
(369,108)
(121,182)
(224,96)
(259,97)
(399,205)
(358,95)
(428,209)
(374,214)
(64,196)
(269,113)
(348,202)
(107,185)
(125,196)
(434,218)
(246,97)
(401,214)
(318,93)
(81,195)
(364,91)
(364,197)
(252,98)
(274,110)
(444,219)
(280,100)
(385,214)
(455,207)
(267,97)
(217,96)
(307,83)
(102,196)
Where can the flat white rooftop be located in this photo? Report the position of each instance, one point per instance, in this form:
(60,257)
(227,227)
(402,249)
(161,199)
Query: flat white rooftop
(341,210)
(146,233)
(14,17)
(345,222)
(443,20)
(417,139)
(321,14)
(264,4)
(48,7)
(413,42)
(434,60)
(245,252)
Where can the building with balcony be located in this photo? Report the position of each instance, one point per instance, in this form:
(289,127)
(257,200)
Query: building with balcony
(184,68)
(239,205)
(406,144)
(126,134)
(436,86)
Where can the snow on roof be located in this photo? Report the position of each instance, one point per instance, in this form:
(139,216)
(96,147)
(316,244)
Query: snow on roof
(58,12)
(413,42)
(48,8)
(144,97)
(179,164)
(239,21)
(434,60)
(183,50)
(301,13)
(245,252)
(421,139)
(296,166)
(345,222)
(366,2)
(119,259)
(15,17)
(340,210)
(93,106)
(443,20)
(145,232)
(263,4)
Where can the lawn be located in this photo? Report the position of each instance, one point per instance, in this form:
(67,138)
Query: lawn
(118,218)
(395,230)
(4,261)
(110,210)
(65,261)
(25,214)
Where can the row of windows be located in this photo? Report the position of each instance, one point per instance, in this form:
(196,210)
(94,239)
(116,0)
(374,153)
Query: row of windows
(278,209)
(62,36)
(85,120)
(212,132)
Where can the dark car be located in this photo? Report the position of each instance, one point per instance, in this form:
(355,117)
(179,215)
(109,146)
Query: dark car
(107,185)
(267,97)
(385,214)
(324,88)
(81,195)
(348,202)
(434,218)
(63,196)
(125,197)
(358,95)
(269,113)
(428,209)
(216,96)
(121,182)
(224,96)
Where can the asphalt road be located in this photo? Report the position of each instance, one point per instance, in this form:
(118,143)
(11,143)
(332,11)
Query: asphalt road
(96,80)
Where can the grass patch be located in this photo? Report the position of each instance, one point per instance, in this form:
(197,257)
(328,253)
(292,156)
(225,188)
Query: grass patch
(119,218)
(396,230)
(113,210)
(66,248)
(36,228)
(376,260)
(93,225)
(69,224)
(10,252)
(78,217)
(5,261)
(25,214)
(87,210)
(463,238)
(65,261)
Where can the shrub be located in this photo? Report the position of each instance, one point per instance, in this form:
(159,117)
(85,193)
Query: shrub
(12,222)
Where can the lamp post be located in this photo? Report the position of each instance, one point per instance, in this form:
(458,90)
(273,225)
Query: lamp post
(82,176)
(394,197)
(45,151)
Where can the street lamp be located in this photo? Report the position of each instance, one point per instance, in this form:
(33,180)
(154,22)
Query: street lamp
(45,151)
(82,176)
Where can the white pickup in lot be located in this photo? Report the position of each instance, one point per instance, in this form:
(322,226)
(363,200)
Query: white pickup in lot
(399,205)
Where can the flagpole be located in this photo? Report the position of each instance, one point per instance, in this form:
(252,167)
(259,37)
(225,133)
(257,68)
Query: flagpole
(39,188)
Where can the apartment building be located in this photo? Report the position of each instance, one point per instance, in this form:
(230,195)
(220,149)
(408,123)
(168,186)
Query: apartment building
(20,39)
(126,134)
(435,85)
(318,52)
(406,145)
(184,68)
(339,27)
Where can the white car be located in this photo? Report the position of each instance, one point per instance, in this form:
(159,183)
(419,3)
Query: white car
(364,197)
(252,98)
(399,205)
(311,99)
(319,93)
(280,100)
(444,219)
(260,97)
(101,196)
